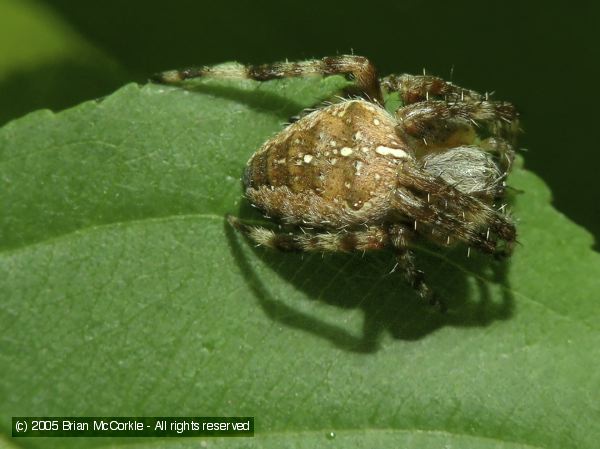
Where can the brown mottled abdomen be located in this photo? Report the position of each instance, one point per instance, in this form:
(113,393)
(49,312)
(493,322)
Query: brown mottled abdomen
(346,154)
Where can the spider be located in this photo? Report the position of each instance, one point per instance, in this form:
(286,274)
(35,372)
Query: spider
(350,176)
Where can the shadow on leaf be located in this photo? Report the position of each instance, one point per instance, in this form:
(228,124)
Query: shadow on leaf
(257,99)
(475,290)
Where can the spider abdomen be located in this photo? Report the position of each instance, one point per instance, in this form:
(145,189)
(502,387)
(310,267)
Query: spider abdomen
(346,154)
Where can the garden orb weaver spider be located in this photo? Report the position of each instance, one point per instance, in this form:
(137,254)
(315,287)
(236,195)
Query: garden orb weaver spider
(350,176)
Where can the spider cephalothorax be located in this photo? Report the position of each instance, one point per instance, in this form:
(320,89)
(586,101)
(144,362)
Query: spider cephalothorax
(351,176)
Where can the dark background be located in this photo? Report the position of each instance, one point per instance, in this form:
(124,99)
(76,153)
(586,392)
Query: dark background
(541,56)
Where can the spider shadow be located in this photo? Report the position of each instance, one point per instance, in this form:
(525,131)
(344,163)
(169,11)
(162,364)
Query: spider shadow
(475,290)
(258,99)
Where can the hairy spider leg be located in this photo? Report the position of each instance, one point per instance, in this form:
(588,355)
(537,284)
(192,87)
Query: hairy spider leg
(418,119)
(440,124)
(359,68)
(371,238)
(502,118)
(417,88)
(447,211)
(399,236)
(502,149)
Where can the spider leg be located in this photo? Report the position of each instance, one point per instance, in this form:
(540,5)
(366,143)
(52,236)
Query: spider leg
(445,212)
(405,261)
(358,68)
(417,88)
(371,238)
(436,123)
(502,149)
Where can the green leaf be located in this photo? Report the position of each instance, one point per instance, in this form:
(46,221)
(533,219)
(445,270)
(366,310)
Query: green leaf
(45,63)
(124,292)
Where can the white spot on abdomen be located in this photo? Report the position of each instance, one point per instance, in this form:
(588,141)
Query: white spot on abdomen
(395,152)
(358,165)
(346,151)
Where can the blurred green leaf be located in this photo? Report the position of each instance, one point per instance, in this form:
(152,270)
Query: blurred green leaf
(125,293)
(32,35)
(45,63)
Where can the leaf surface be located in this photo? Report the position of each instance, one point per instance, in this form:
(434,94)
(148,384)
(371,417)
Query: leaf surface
(125,293)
